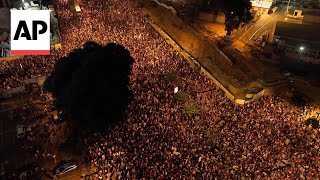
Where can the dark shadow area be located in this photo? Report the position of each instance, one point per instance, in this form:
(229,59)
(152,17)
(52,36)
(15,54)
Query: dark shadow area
(300,68)
(298,99)
(72,144)
(313,122)
(90,85)
(29,171)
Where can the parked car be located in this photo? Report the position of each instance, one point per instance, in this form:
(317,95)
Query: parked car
(66,167)
(20,131)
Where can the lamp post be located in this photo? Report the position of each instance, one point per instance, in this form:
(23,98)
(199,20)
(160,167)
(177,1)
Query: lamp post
(288,7)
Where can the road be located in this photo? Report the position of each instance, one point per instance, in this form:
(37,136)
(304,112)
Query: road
(267,22)
(7,124)
(8,149)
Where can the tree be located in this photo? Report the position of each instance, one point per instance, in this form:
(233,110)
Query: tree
(237,12)
(91,85)
(313,122)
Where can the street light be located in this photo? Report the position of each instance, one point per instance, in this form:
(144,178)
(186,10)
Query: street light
(301,48)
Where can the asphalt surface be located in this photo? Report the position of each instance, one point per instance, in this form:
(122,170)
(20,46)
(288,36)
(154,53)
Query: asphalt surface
(266,23)
(10,153)
(8,140)
(7,122)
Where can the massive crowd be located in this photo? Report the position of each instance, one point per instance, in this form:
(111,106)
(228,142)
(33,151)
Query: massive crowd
(263,139)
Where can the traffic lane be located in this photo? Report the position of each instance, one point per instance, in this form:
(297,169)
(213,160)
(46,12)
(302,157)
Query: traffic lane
(7,124)
(14,157)
(265,20)
(7,130)
(75,174)
(268,27)
(8,139)
(10,151)
(261,22)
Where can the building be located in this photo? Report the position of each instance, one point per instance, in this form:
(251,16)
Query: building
(300,41)
(261,6)
(311,15)
(311,3)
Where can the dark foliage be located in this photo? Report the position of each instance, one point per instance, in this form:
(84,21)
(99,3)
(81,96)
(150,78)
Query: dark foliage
(313,122)
(237,12)
(299,99)
(46,2)
(91,85)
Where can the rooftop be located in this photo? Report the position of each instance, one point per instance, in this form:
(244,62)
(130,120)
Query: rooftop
(301,32)
(264,3)
(314,12)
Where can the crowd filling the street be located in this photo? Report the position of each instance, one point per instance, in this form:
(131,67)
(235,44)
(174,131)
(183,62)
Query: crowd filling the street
(264,139)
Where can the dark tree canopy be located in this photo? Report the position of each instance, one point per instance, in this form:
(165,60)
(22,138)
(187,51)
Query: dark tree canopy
(91,85)
(237,12)
(313,122)
(46,2)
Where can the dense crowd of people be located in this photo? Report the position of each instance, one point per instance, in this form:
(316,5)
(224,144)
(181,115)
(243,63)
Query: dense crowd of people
(158,140)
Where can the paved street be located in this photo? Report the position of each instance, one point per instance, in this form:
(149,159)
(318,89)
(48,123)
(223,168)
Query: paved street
(7,124)
(7,131)
(8,149)
(266,23)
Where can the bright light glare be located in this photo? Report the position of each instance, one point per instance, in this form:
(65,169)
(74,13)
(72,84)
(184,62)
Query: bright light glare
(301,48)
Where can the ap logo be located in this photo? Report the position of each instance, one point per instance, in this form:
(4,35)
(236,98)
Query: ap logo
(30,32)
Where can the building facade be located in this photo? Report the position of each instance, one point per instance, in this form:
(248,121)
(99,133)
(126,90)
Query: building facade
(311,15)
(298,40)
(261,6)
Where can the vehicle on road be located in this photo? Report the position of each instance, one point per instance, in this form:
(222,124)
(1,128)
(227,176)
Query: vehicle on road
(20,131)
(66,167)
